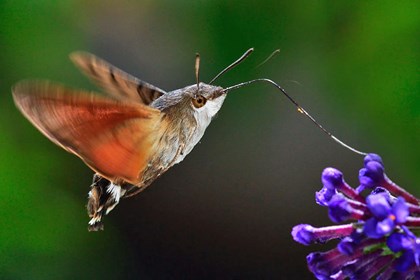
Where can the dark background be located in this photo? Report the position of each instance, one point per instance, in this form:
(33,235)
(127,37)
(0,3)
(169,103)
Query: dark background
(227,211)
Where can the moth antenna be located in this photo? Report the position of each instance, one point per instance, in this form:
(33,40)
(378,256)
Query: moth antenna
(197,70)
(236,62)
(300,110)
(273,54)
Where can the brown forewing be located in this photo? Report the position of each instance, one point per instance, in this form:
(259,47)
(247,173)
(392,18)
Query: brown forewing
(114,137)
(115,81)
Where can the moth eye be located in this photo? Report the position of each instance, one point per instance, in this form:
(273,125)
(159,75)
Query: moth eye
(199,101)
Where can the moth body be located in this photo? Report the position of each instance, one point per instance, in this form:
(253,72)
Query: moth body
(129,137)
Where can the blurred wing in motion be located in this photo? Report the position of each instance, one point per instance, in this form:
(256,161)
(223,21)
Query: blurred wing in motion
(115,81)
(113,137)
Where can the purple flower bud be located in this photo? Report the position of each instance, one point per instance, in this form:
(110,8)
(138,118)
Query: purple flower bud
(372,175)
(307,234)
(349,244)
(315,264)
(405,261)
(373,157)
(303,234)
(367,266)
(324,196)
(339,209)
(325,264)
(332,178)
(398,242)
(357,269)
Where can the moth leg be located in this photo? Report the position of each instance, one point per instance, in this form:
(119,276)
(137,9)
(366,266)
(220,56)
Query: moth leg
(103,197)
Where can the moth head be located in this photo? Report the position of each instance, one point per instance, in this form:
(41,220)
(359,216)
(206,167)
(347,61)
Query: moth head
(207,98)
(202,102)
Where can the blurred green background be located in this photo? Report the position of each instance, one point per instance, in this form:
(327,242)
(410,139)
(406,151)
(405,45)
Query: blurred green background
(227,211)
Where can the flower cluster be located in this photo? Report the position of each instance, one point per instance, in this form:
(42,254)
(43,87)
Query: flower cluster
(378,242)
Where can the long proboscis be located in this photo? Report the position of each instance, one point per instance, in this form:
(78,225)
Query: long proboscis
(299,108)
(231,66)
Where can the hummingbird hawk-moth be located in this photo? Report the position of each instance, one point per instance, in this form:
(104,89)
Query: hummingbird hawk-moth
(130,136)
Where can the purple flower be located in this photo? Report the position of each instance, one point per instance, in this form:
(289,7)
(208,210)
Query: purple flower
(401,241)
(379,205)
(324,196)
(377,244)
(385,217)
(407,243)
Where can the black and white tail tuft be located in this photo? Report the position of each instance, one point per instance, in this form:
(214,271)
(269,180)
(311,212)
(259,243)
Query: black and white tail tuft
(103,197)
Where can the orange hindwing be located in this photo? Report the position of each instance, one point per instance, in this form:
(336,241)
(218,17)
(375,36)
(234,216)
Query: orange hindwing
(114,137)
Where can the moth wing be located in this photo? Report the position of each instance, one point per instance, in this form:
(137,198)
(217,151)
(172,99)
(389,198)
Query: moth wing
(115,81)
(113,137)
